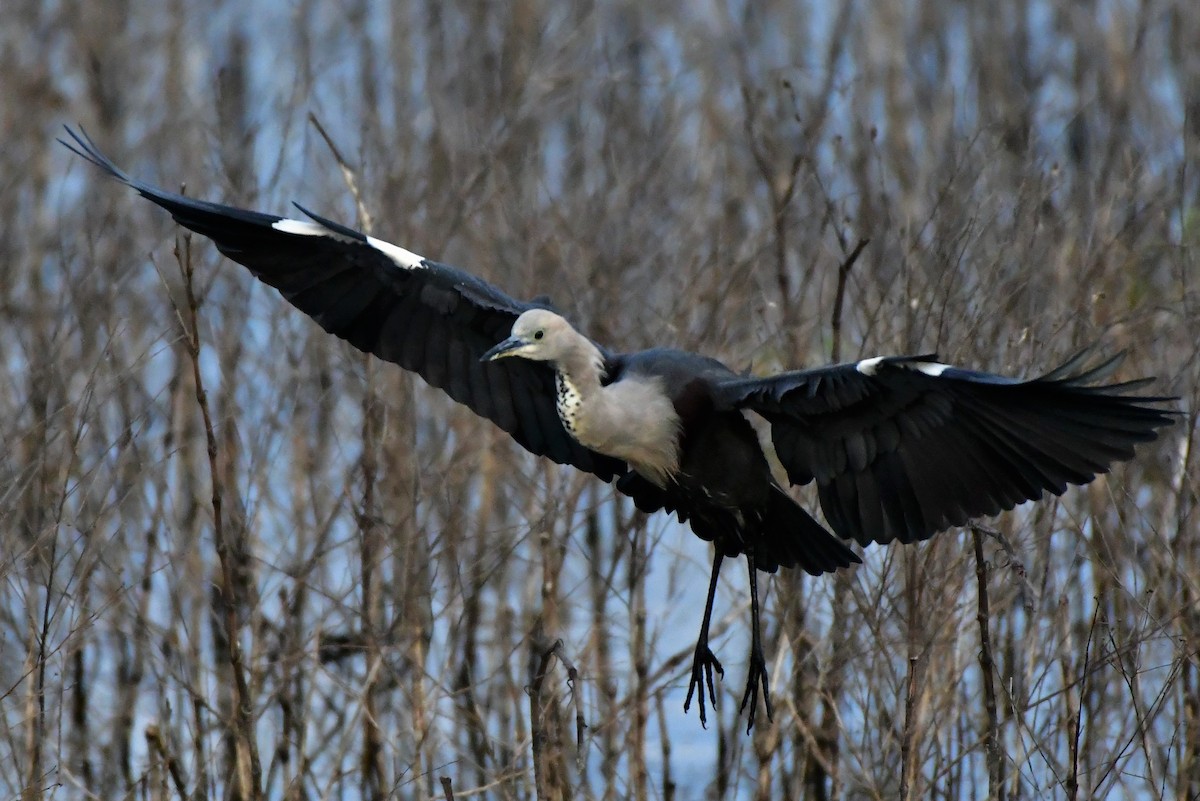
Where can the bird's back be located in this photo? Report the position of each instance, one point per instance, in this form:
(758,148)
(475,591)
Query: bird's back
(672,363)
(683,374)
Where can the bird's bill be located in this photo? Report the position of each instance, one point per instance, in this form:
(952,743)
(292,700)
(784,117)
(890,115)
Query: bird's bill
(509,347)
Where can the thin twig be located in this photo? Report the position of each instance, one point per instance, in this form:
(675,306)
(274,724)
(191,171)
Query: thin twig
(572,677)
(1015,562)
(839,297)
(907,744)
(536,727)
(1075,724)
(364,217)
(158,745)
(251,785)
(987,666)
(536,721)
(668,782)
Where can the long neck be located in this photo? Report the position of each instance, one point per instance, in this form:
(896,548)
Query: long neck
(583,367)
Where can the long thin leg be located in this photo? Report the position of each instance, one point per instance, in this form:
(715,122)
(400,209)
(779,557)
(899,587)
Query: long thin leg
(758,663)
(705,661)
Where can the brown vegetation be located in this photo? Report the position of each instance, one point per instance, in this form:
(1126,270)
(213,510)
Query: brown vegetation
(239,560)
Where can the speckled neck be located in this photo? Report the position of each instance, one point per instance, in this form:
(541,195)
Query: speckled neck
(568,401)
(577,381)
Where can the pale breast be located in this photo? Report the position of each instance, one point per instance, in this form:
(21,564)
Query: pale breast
(631,420)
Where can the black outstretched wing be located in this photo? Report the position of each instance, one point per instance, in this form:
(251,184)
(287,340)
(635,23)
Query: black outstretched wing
(903,447)
(427,317)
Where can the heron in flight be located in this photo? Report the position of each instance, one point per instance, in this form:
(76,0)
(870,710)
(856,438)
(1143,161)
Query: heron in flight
(900,447)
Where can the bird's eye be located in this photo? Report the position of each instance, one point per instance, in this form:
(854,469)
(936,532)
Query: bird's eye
(539,334)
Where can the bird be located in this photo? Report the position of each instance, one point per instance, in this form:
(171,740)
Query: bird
(899,447)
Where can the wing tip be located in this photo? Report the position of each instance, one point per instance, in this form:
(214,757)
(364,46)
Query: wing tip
(85,147)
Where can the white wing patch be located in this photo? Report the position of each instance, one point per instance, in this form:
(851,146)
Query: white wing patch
(931,369)
(869,366)
(405,259)
(307,228)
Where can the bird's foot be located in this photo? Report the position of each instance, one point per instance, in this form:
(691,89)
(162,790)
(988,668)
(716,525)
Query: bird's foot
(758,675)
(703,665)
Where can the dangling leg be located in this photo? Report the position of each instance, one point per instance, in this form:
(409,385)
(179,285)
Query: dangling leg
(758,664)
(704,661)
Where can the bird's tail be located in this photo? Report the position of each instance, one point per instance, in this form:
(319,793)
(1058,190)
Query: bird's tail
(792,538)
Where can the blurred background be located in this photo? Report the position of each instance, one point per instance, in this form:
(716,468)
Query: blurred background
(369,618)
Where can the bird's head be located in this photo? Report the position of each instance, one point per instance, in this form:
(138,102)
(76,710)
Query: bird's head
(538,335)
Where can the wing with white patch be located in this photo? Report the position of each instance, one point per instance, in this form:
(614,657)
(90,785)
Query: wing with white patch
(427,317)
(903,447)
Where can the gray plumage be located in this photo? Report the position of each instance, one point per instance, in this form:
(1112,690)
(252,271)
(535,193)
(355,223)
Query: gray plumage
(898,447)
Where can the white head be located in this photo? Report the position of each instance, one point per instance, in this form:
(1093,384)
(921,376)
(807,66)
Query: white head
(541,336)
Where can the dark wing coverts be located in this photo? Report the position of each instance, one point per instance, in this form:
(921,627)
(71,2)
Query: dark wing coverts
(904,447)
(427,317)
